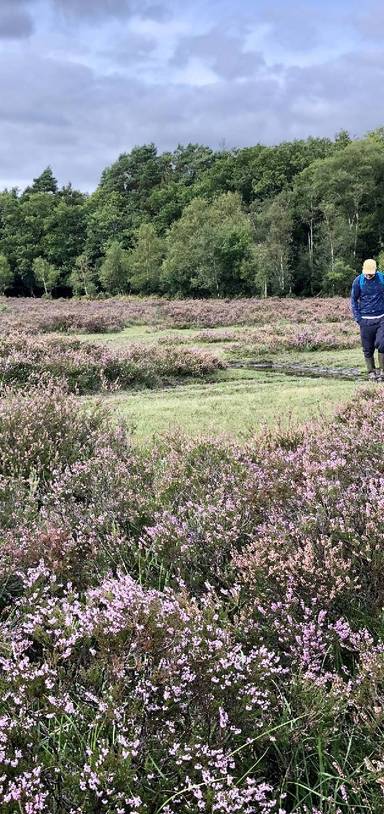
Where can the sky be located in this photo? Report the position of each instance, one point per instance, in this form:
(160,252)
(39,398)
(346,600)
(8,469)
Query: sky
(85,80)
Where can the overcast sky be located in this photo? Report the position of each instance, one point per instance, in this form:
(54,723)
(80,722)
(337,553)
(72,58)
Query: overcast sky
(84,80)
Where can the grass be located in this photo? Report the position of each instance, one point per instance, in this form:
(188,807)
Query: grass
(328,358)
(239,403)
(143,333)
(138,333)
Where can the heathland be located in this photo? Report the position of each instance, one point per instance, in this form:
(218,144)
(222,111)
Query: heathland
(191,559)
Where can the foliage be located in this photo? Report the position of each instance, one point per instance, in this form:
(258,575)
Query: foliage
(89,368)
(272,220)
(193,628)
(46,274)
(6,274)
(113,273)
(145,260)
(83,277)
(98,316)
(206,247)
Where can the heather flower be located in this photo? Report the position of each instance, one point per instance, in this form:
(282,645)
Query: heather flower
(193,628)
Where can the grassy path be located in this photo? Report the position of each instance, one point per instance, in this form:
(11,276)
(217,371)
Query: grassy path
(239,403)
(235,402)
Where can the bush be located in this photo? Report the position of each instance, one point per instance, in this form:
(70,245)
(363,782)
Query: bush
(194,628)
(88,368)
(78,316)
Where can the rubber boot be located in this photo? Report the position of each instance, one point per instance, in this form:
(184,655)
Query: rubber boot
(381,367)
(370,365)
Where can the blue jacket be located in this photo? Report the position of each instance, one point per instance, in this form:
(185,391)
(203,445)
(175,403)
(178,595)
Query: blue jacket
(367,296)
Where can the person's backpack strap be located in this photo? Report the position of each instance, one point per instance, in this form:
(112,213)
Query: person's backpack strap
(380,275)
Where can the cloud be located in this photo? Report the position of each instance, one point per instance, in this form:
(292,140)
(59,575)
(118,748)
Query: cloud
(370,23)
(76,100)
(128,50)
(15,20)
(94,10)
(79,121)
(222,51)
(295,26)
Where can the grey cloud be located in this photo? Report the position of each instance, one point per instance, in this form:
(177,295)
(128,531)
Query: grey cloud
(294,26)
(15,21)
(222,51)
(94,10)
(79,122)
(370,24)
(129,50)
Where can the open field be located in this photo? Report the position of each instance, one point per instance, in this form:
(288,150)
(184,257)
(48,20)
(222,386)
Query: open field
(128,347)
(237,402)
(191,560)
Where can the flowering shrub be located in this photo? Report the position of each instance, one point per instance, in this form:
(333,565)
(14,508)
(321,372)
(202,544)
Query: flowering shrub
(39,315)
(288,337)
(89,368)
(193,628)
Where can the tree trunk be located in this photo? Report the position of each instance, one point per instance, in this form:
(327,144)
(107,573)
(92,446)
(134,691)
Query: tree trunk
(331,245)
(282,274)
(356,232)
(310,251)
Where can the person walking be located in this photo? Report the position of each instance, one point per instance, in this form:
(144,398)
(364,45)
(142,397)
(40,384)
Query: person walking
(367,301)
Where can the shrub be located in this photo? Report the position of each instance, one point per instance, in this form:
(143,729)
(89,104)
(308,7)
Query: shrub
(87,368)
(37,315)
(192,628)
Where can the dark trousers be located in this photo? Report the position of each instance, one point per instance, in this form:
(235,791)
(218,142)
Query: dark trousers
(372,336)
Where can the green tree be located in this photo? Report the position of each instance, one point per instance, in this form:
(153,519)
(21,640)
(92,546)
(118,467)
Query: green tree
(35,212)
(46,182)
(6,274)
(257,269)
(83,277)
(380,261)
(134,173)
(107,220)
(275,168)
(206,247)
(273,222)
(114,270)
(10,225)
(65,231)
(346,198)
(339,278)
(191,162)
(145,259)
(46,275)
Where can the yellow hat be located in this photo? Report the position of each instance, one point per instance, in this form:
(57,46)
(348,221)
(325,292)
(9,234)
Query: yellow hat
(369,267)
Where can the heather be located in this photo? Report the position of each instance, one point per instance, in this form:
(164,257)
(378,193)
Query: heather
(85,367)
(101,316)
(284,336)
(195,627)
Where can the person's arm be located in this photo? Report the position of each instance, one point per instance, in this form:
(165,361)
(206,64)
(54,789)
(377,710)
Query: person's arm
(355,301)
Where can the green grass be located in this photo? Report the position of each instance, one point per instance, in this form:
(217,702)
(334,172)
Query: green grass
(137,333)
(239,403)
(144,333)
(328,358)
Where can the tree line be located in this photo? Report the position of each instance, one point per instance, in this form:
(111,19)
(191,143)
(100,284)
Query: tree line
(294,219)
